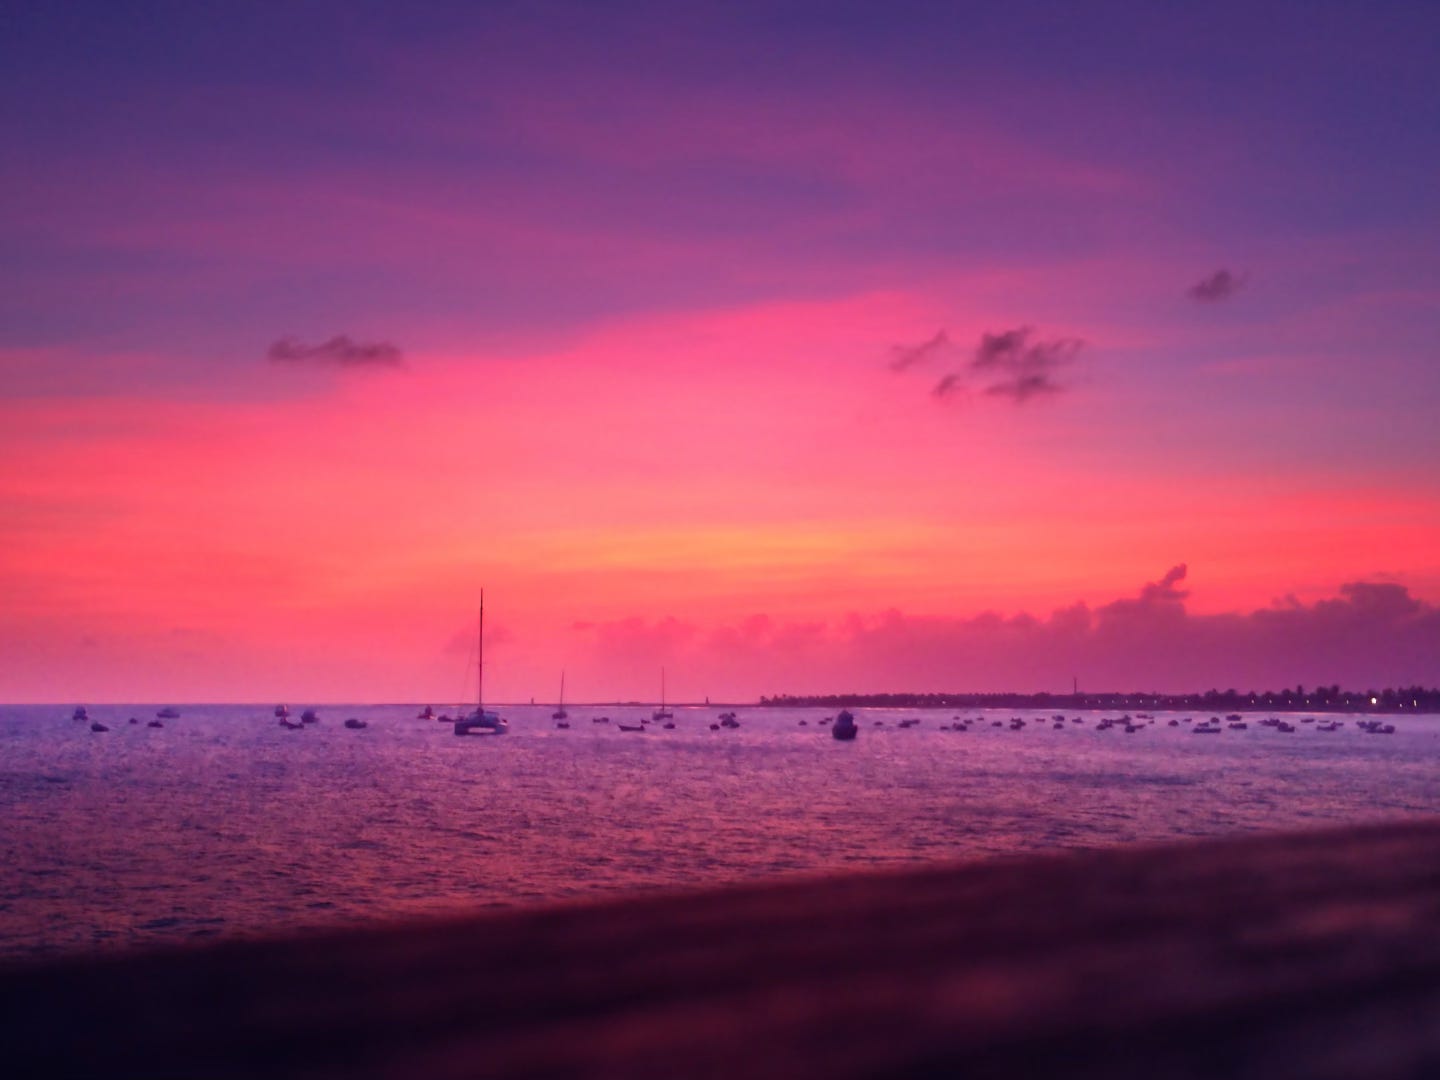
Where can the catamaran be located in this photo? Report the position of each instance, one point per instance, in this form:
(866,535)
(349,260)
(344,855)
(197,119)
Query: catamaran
(482,721)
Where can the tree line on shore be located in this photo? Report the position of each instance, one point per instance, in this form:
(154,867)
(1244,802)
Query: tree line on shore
(1410,699)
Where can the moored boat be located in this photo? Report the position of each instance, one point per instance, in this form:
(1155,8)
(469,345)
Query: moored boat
(662,713)
(560,713)
(481,721)
(844,727)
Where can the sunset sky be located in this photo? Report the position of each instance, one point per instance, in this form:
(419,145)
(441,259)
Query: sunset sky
(793,347)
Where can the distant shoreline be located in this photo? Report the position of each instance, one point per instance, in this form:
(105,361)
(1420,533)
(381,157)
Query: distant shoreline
(1410,700)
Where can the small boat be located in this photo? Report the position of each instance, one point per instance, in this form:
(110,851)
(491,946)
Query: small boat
(669,725)
(662,713)
(80,713)
(563,724)
(560,713)
(169,713)
(309,716)
(600,719)
(427,713)
(156,723)
(97,726)
(632,727)
(134,720)
(355,725)
(844,727)
(282,711)
(481,721)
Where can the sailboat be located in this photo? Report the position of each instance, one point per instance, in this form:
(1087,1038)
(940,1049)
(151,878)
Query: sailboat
(482,721)
(560,713)
(662,713)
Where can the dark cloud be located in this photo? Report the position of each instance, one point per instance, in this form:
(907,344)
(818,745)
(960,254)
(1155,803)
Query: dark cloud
(1017,365)
(1012,364)
(907,356)
(948,385)
(1023,387)
(1164,590)
(1366,634)
(1221,285)
(1004,349)
(1017,352)
(339,351)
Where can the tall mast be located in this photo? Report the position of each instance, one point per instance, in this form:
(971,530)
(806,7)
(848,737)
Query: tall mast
(480,678)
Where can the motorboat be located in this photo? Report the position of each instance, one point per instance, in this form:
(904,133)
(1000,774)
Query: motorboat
(282,711)
(309,716)
(355,724)
(427,713)
(844,727)
(169,713)
(80,713)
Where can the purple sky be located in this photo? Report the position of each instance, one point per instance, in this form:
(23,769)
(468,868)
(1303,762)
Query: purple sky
(612,299)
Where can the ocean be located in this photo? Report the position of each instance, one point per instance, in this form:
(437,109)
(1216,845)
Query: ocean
(224,824)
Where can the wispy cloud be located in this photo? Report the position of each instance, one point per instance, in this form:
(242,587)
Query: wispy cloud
(949,384)
(1023,387)
(339,351)
(1221,285)
(1014,364)
(903,357)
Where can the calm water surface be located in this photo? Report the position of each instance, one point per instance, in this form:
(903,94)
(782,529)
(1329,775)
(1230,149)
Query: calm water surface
(223,823)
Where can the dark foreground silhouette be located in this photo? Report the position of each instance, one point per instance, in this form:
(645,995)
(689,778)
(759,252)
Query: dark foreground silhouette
(1302,955)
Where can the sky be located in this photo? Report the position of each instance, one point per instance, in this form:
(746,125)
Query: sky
(788,347)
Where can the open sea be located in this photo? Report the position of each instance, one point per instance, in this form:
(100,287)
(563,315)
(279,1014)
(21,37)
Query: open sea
(222,823)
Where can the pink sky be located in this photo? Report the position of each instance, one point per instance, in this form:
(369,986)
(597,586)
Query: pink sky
(649,300)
